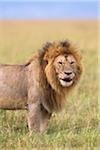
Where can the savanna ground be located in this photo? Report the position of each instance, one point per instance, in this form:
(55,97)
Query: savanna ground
(77,126)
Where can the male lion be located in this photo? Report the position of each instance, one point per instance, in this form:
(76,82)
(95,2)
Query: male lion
(42,84)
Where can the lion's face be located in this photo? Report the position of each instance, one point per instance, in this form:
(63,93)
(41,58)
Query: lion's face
(66,69)
(62,65)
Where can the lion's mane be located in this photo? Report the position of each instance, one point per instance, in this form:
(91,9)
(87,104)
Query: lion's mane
(51,89)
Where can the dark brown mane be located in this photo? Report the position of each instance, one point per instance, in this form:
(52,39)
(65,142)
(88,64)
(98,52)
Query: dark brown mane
(51,45)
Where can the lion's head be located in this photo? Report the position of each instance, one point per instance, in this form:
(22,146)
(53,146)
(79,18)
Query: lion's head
(63,66)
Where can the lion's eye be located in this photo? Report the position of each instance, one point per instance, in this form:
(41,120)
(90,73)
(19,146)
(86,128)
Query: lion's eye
(72,62)
(60,62)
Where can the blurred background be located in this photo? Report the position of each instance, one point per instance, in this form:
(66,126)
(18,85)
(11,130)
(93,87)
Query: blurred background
(24,27)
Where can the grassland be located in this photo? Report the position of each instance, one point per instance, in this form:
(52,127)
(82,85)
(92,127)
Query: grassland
(77,127)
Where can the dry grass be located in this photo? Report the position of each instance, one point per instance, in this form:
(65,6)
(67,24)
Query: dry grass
(79,128)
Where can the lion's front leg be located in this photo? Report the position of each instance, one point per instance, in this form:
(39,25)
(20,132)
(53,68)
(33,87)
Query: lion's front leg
(44,119)
(34,117)
(38,118)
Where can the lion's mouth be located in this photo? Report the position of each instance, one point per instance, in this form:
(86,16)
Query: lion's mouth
(66,82)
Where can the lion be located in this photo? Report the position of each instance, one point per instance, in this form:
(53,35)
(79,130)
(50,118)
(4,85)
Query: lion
(42,84)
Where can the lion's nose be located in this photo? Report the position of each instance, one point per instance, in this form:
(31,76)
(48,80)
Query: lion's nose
(68,72)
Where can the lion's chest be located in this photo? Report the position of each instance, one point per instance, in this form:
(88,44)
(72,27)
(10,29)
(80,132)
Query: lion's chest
(52,101)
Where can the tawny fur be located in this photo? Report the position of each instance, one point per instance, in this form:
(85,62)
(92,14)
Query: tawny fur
(34,86)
